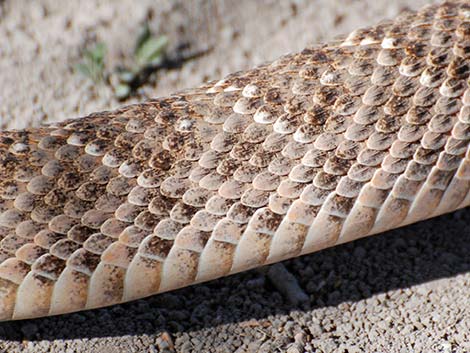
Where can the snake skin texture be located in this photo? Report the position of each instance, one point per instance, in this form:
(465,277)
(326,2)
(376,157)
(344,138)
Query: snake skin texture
(357,136)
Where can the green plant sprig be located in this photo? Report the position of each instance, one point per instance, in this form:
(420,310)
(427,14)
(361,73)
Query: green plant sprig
(149,54)
(92,65)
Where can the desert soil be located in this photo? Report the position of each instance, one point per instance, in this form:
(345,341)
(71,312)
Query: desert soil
(404,291)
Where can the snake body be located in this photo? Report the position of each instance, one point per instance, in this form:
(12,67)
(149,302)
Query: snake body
(343,140)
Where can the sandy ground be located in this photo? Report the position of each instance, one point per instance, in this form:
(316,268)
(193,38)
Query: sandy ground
(404,291)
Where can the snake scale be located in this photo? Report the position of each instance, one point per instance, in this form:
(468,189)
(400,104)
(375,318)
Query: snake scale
(343,140)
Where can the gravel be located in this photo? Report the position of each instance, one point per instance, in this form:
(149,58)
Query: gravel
(403,291)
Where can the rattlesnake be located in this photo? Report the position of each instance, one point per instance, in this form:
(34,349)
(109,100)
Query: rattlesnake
(343,140)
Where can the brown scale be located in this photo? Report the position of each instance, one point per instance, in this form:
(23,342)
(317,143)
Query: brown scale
(182,213)
(240,213)
(118,254)
(132,236)
(212,181)
(167,229)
